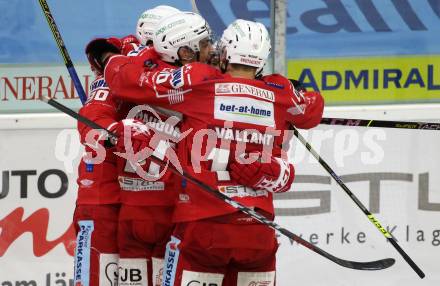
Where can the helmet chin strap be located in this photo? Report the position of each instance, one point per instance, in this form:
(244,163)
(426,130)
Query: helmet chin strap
(178,63)
(198,56)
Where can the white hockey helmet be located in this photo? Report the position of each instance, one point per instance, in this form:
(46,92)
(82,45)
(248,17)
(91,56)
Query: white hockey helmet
(148,20)
(184,29)
(246,43)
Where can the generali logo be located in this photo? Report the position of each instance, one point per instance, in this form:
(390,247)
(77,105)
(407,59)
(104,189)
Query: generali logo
(27,86)
(246,89)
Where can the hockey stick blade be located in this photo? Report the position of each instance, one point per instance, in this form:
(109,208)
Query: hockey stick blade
(369,215)
(372,265)
(369,265)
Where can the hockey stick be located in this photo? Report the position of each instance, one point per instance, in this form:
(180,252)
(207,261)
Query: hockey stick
(194,7)
(381,123)
(367,123)
(60,43)
(370,216)
(372,265)
(371,122)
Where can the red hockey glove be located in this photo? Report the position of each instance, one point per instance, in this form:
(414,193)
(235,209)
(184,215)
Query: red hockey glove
(307,109)
(275,176)
(133,138)
(128,44)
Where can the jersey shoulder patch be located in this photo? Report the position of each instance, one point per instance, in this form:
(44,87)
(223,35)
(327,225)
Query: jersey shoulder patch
(276,80)
(98,83)
(98,91)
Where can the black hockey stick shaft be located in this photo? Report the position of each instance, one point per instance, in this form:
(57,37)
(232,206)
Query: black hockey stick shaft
(381,123)
(372,265)
(63,50)
(194,7)
(371,122)
(370,216)
(76,115)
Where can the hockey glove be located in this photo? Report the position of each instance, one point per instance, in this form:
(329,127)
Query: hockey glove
(133,139)
(307,109)
(275,176)
(128,44)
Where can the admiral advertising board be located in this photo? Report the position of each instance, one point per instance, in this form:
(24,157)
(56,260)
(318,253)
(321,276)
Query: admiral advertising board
(355,52)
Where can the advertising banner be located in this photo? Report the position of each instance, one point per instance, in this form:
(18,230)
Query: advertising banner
(393,172)
(23,86)
(37,200)
(315,28)
(352,28)
(356,52)
(373,80)
(390,172)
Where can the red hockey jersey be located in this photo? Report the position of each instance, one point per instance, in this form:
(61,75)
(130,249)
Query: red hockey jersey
(135,190)
(98,183)
(228,116)
(113,181)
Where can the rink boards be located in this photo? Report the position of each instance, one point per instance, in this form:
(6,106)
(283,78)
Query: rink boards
(393,172)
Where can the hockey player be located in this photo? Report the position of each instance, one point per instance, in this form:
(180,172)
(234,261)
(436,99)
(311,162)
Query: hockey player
(145,216)
(145,220)
(146,207)
(213,243)
(97,206)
